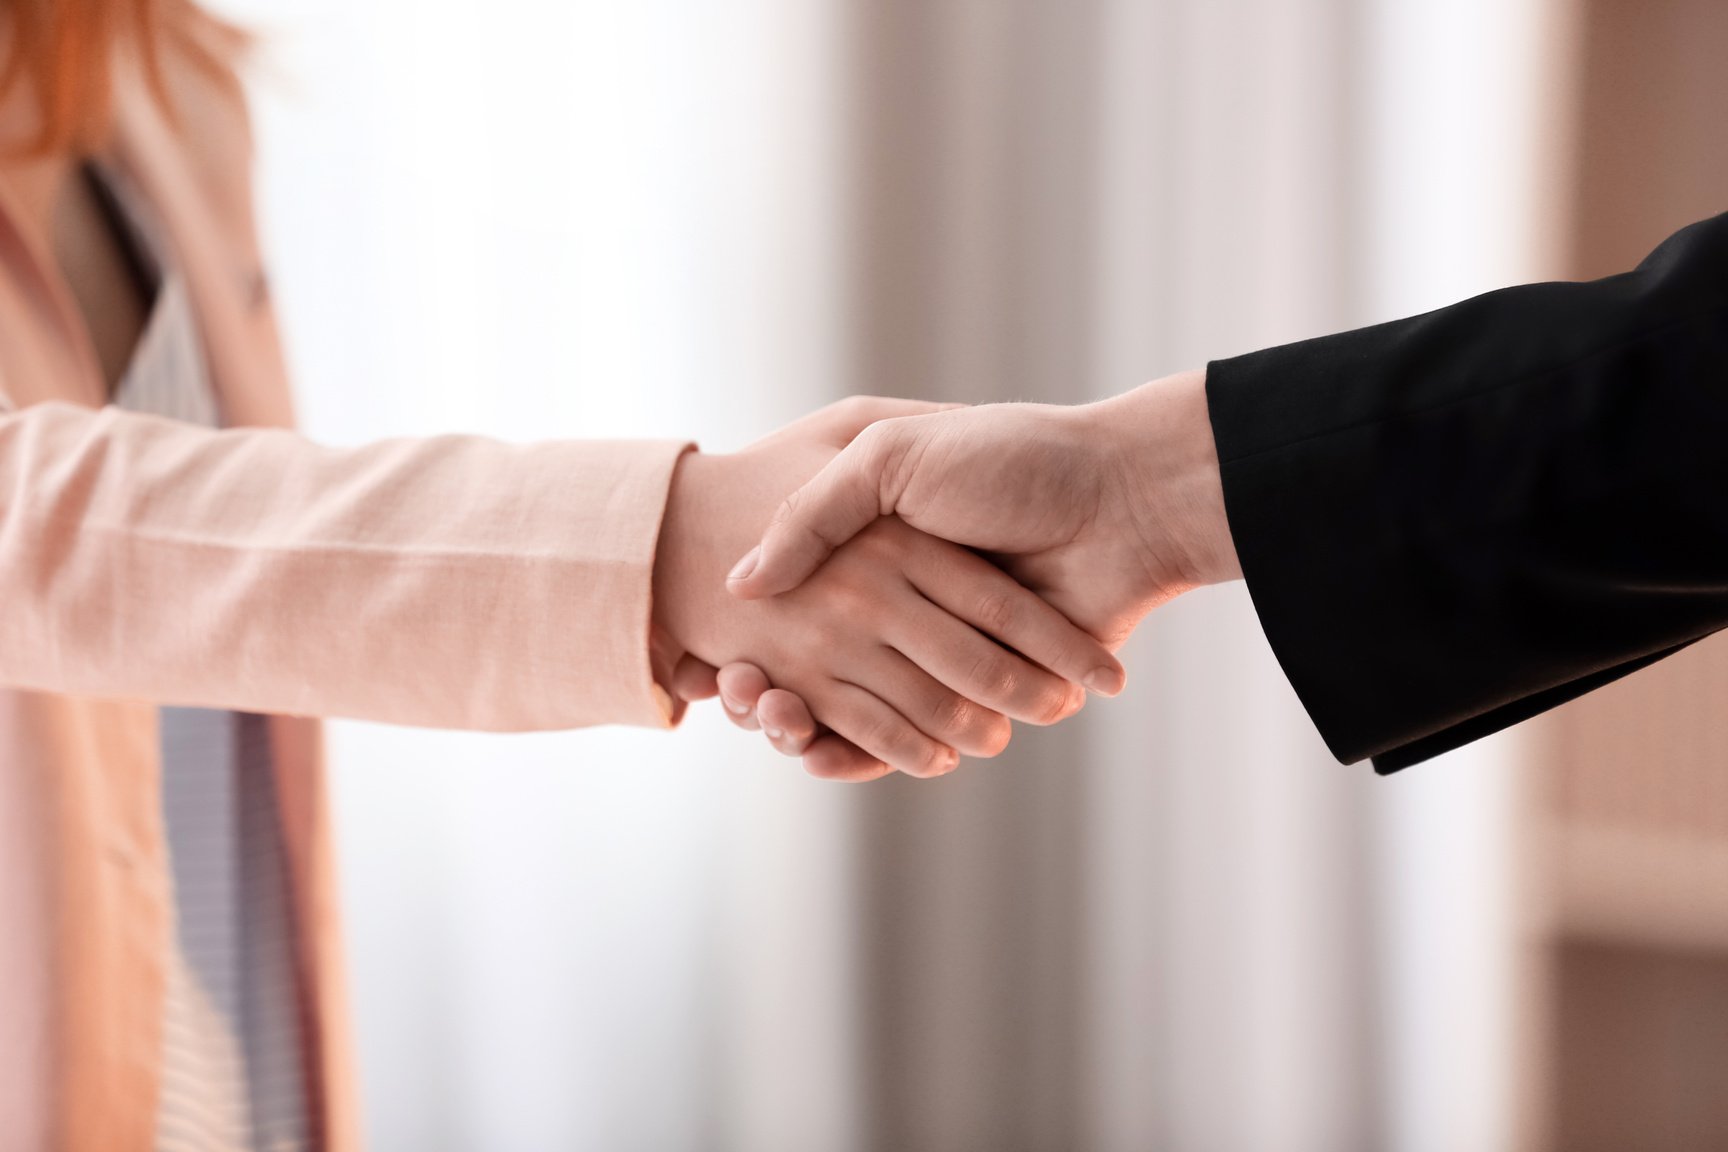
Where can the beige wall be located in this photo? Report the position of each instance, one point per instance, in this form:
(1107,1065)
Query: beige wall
(1628,813)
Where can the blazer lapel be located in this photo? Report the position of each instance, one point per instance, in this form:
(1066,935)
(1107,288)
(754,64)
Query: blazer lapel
(226,287)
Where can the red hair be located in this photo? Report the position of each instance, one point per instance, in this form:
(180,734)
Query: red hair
(67,50)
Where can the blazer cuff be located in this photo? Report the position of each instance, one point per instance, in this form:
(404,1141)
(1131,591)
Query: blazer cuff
(641,655)
(576,627)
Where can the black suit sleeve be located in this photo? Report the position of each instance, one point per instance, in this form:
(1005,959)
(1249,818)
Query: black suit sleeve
(1453,522)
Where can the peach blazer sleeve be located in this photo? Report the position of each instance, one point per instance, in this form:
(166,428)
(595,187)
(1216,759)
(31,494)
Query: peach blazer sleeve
(447,582)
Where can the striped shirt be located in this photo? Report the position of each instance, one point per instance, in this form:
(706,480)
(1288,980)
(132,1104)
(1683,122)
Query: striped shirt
(233,1072)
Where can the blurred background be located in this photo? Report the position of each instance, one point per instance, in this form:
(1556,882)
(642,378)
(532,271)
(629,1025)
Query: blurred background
(1172,924)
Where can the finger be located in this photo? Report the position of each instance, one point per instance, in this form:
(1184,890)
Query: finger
(984,596)
(694,679)
(786,721)
(837,424)
(833,757)
(976,668)
(939,712)
(741,686)
(863,718)
(833,506)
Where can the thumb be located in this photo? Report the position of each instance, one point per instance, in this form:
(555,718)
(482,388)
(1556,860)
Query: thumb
(832,507)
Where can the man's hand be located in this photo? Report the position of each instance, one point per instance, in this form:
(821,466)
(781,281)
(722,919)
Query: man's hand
(1106,510)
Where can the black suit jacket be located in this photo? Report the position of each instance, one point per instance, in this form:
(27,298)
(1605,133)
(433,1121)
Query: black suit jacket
(1453,522)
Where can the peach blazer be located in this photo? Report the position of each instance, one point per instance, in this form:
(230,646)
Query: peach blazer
(450,582)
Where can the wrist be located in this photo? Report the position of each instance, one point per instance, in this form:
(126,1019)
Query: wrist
(717,506)
(683,551)
(1165,471)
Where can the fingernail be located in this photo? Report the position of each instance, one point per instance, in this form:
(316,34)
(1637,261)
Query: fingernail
(773,733)
(1104,681)
(744,567)
(736,708)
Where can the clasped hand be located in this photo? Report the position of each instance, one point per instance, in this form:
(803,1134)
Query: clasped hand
(865,609)
(911,650)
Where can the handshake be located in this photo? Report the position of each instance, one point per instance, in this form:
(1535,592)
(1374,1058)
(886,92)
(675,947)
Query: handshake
(937,571)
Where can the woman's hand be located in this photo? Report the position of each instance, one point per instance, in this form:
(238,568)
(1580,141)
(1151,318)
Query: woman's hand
(755,705)
(893,644)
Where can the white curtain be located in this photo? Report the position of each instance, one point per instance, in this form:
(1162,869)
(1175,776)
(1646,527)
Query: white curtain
(534,219)
(1174,923)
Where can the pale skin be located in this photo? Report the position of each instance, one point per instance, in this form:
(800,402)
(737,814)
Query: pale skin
(1105,510)
(913,649)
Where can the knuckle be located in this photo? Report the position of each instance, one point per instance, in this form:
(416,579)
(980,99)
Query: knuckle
(929,764)
(885,735)
(959,719)
(918,757)
(784,713)
(1074,699)
(1062,656)
(874,431)
(787,510)
(996,612)
(974,729)
(858,408)
(1052,703)
(955,714)
(994,736)
(867,448)
(893,447)
(994,676)
(850,602)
